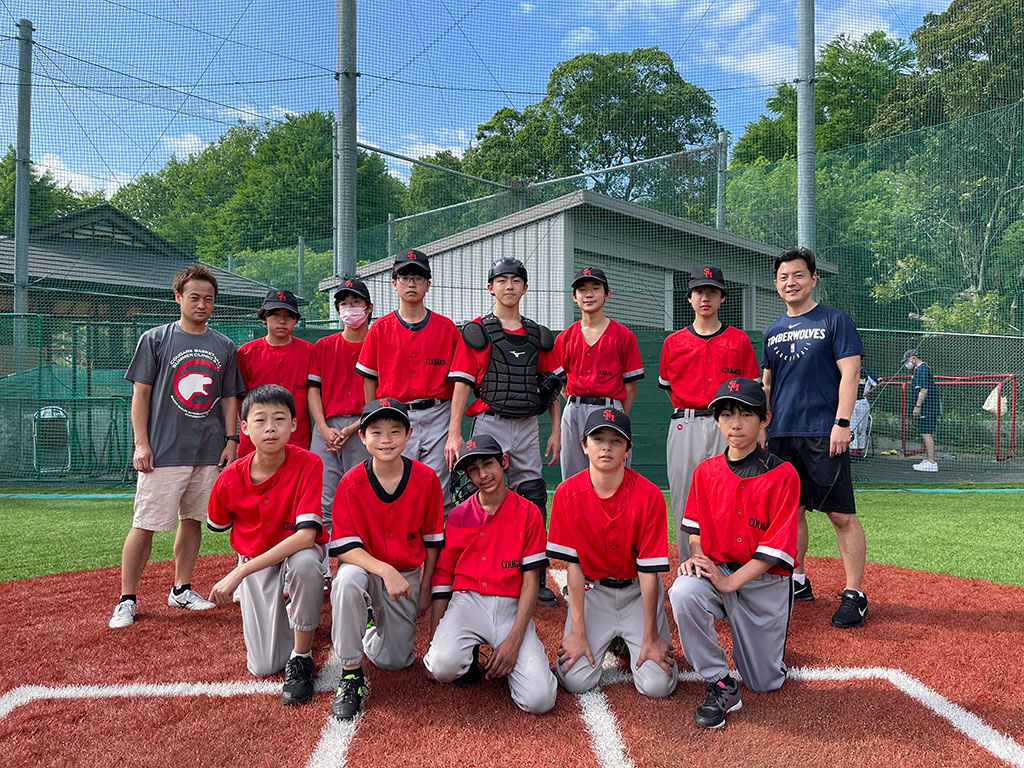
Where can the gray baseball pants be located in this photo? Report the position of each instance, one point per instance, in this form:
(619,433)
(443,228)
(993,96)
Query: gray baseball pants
(336,463)
(574,419)
(691,440)
(519,438)
(426,444)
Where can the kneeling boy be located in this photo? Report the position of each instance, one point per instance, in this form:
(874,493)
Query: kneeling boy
(741,562)
(610,525)
(388,521)
(270,500)
(485,587)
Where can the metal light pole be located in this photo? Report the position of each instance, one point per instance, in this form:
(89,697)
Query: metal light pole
(345,144)
(805,145)
(22,180)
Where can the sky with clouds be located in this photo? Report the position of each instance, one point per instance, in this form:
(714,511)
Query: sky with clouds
(121,85)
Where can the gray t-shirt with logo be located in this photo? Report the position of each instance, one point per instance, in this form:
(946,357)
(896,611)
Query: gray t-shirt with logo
(189,374)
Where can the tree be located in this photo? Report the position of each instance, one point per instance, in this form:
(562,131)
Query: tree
(46,200)
(430,188)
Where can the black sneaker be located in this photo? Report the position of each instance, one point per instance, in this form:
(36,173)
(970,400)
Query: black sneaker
(802,593)
(546,597)
(352,692)
(298,680)
(474,674)
(721,697)
(853,610)
(371,622)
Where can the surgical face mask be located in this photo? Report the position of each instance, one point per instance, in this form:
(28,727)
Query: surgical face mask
(909,365)
(353,317)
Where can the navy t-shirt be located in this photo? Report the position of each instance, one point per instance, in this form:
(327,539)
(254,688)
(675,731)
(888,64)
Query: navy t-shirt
(923,379)
(801,353)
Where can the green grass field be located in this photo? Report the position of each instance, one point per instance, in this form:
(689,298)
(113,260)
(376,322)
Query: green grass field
(973,535)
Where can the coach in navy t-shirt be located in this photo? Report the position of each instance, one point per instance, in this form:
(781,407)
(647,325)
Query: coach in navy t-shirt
(811,361)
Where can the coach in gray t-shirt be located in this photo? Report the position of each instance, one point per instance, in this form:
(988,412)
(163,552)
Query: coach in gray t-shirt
(185,384)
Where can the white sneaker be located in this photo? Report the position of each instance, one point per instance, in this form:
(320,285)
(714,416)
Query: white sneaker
(124,615)
(190,600)
(927,466)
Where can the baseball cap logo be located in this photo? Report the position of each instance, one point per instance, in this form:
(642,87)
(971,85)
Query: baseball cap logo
(412,255)
(609,416)
(707,272)
(734,385)
(471,445)
(384,403)
(586,270)
(280,295)
(348,283)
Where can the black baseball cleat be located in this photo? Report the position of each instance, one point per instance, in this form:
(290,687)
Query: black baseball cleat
(802,593)
(546,597)
(853,610)
(721,698)
(474,674)
(298,680)
(348,702)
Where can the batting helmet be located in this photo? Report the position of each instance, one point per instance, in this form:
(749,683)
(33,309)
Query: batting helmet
(506,265)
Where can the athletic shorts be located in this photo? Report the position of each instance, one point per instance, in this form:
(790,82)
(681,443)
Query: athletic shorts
(926,424)
(825,481)
(169,494)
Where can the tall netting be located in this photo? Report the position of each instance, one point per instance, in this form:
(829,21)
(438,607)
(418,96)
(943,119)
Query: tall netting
(641,137)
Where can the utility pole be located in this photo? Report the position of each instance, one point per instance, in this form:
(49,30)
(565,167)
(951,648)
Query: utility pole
(723,160)
(22,180)
(345,147)
(300,284)
(805,144)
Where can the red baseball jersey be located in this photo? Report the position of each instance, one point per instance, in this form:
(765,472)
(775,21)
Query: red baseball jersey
(410,362)
(394,527)
(333,369)
(470,365)
(693,366)
(261,515)
(613,537)
(740,517)
(287,365)
(601,370)
(487,553)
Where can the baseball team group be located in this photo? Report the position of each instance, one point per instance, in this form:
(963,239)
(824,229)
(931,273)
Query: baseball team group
(353,448)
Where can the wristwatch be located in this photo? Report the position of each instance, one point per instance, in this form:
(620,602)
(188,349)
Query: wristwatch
(230,437)
(842,422)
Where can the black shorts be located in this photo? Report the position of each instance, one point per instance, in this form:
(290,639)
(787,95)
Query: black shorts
(926,423)
(825,481)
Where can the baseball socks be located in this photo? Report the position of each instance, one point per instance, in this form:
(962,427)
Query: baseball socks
(352,692)
(298,679)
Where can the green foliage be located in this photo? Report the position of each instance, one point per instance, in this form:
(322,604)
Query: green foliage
(279,268)
(430,188)
(46,200)
(974,312)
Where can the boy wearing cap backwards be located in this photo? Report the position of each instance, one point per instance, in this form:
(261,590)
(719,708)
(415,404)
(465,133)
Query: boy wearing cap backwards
(601,360)
(610,525)
(406,356)
(507,359)
(278,358)
(694,361)
(812,359)
(270,500)
(388,522)
(485,586)
(336,390)
(740,563)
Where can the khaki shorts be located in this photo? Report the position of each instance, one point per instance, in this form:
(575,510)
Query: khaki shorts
(169,494)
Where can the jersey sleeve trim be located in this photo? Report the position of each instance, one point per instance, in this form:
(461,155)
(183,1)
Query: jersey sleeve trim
(559,552)
(341,546)
(634,375)
(664,384)
(652,564)
(369,373)
(530,562)
(774,556)
(218,528)
(433,539)
(691,527)
(312,378)
(463,376)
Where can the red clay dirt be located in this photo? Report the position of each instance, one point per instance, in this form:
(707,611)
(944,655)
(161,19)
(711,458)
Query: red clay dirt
(962,638)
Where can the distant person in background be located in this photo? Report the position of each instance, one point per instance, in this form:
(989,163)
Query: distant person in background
(861,419)
(926,406)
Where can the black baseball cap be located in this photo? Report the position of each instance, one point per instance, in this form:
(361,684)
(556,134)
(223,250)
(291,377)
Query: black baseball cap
(354,286)
(411,261)
(909,354)
(280,300)
(609,417)
(384,407)
(590,273)
(477,448)
(741,390)
(706,275)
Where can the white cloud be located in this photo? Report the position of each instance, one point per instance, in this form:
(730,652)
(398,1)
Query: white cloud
(729,14)
(855,19)
(63,176)
(185,145)
(527,7)
(579,39)
(766,63)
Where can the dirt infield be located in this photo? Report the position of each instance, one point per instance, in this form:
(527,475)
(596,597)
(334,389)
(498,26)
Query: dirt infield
(934,678)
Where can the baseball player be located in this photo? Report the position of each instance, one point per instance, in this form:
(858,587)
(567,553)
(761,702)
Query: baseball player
(485,585)
(336,390)
(388,523)
(278,358)
(507,360)
(601,360)
(610,525)
(694,361)
(812,360)
(406,356)
(740,564)
(185,387)
(270,500)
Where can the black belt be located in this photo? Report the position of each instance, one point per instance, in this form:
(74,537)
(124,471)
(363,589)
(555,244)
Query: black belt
(424,404)
(680,413)
(615,583)
(591,400)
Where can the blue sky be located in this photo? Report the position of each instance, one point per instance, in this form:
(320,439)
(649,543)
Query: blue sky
(123,84)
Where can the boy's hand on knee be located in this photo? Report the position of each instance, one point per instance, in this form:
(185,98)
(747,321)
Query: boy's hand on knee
(396,585)
(503,660)
(658,651)
(572,648)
